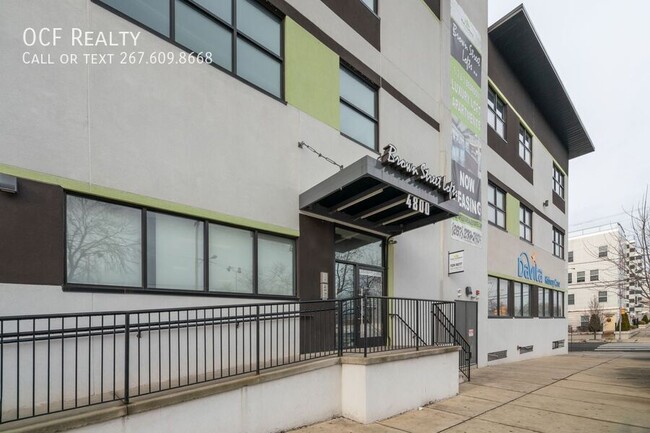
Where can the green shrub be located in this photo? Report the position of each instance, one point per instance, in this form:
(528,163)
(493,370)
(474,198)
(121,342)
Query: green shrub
(625,323)
(645,319)
(594,323)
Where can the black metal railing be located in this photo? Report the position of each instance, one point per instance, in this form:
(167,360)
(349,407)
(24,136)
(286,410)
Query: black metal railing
(58,362)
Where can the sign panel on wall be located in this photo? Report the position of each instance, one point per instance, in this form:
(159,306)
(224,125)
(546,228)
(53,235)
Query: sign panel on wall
(456,262)
(466,108)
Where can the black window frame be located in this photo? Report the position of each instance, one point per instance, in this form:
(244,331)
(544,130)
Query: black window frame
(509,301)
(343,101)
(522,224)
(492,205)
(231,27)
(205,291)
(580,277)
(522,287)
(525,145)
(558,243)
(558,181)
(493,107)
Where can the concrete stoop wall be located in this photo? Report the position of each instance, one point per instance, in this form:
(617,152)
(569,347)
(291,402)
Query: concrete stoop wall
(362,389)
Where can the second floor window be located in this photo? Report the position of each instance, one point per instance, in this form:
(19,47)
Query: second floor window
(570,256)
(558,181)
(572,299)
(602,296)
(570,278)
(558,243)
(525,223)
(240,36)
(525,145)
(496,206)
(580,277)
(602,251)
(496,115)
(358,109)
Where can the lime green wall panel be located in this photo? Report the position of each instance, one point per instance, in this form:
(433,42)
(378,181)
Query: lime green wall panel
(311,73)
(141,200)
(512,215)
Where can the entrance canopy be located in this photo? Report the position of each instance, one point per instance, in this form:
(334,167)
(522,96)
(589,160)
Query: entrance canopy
(378,197)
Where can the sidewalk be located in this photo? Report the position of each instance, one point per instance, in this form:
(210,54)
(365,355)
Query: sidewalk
(581,392)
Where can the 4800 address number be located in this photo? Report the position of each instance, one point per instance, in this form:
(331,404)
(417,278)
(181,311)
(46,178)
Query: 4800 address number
(418,205)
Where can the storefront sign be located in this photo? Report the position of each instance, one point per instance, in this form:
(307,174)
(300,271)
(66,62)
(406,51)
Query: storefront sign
(529,270)
(466,110)
(419,173)
(456,262)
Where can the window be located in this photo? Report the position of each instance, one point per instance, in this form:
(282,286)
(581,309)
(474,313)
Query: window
(570,256)
(174,252)
(548,306)
(525,223)
(558,243)
(580,277)
(602,296)
(105,247)
(584,321)
(231,259)
(496,115)
(372,4)
(602,251)
(358,109)
(558,181)
(522,300)
(572,299)
(498,297)
(593,275)
(275,263)
(209,28)
(496,206)
(570,278)
(525,145)
(103,243)
(558,303)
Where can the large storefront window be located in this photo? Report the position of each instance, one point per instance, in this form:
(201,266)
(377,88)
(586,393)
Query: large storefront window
(105,246)
(507,298)
(498,297)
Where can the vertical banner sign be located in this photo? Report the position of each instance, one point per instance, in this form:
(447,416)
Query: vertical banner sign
(466,108)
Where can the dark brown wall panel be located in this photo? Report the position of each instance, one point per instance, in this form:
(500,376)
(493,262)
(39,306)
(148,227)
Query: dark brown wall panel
(503,77)
(315,255)
(32,234)
(360,18)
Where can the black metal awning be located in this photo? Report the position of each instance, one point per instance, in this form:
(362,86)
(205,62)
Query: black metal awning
(370,195)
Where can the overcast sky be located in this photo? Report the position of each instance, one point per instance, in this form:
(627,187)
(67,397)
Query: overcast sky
(600,50)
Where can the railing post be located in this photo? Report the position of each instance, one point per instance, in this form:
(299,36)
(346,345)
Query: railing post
(340,326)
(417,325)
(127,332)
(257,342)
(364,312)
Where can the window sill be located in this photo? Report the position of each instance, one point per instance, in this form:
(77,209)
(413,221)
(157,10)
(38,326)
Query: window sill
(498,227)
(526,240)
(500,317)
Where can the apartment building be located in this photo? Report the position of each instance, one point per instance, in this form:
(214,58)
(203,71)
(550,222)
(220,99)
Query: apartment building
(534,132)
(277,161)
(602,271)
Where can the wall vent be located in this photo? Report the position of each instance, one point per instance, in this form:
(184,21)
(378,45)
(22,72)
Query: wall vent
(558,344)
(493,356)
(525,349)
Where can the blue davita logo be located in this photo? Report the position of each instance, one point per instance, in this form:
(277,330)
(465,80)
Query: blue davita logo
(533,272)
